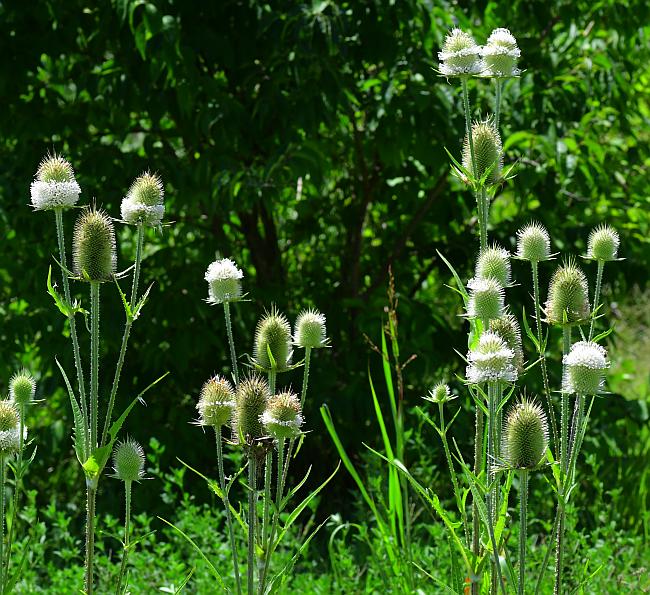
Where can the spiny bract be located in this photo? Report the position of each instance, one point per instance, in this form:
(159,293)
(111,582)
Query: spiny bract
(533,243)
(500,54)
(568,298)
(486,299)
(507,327)
(584,368)
(22,388)
(54,186)
(144,201)
(224,281)
(251,399)
(310,329)
(128,460)
(526,435)
(494,263)
(273,333)
(603,243)
(283,416)
(93,246)
(216,402)
(460,55)
(440,393)
(488,154)
(491,360)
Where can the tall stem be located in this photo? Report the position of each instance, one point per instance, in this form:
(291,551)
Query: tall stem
(492,494)
(226,503)
(252,518)
(138,261)
(599,281)
(523,529)
(497,106)
(268,463)
(2,522)
(18,481)
(91,493)
(478,457)
(94,361)
(127,523)
(305,376)
(272,376)
(468,123)
(564,418)
(276,513)
(231,342)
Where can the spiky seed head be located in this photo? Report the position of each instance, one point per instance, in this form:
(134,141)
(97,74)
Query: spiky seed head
(507,327)
(54,186)
(488,151)
(224,281)
(22,388)
(310,329)
(584,368)
(491,361)
(283,416)
(494,263)
(128,460)
(251,399)
(216,402)
(486,299)
(440,393)
(273,332)
(9,429)
(568,295)
(533,243)
(500,54)
(526,435)
(460,56)
(93,246)
(603,243)
(144,201)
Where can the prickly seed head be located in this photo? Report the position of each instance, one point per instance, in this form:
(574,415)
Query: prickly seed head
(22,388)
(9,429)
(533,243)
(500,54)
(216,402)
(568,295)
(54,186)
(494,263)
(440,393)
(310,329)
(144,201)
(603,243)
(283,416)
(526,435)
(273,333)
(491,360)
(486,299)
(224,281)
(128,460)
(488,153)
(251,399)
(507,327)
(584,368)
(460,55)
(93,246)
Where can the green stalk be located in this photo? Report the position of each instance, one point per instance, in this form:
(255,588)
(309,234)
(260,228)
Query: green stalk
(305,376)
(91,493)
(18,480)
(468,123)
(576,428)
(478,456)
(491,475)
(497,107)
(226,503)
(126,335)
(127,521)
(252,516)
(94,361)
(2,522)
(486,215)
(231,342)
(523,493)
(599,281)
(268,463)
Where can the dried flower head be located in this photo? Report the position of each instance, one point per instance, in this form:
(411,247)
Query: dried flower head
(9,429)
(216,402)
(507,327)
(440,393)
(500,54)
(533,243)
(144,201)
(525,437)
(603,243)
(128,460)
(273,333)
(251,399)
(568,295)
(54,186)
(22,388)
(584,368)
(460,56)
(310,329)
(494,263)
(491,360)
(93,246)
(488,152)
(486,299)
(224,281)
(283,416)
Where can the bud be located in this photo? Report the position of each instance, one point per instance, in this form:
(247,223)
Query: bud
(507,327)
(128,460)
(500,54)
(251,399)
(487,152)
(273,333)
(486,299)
(584,368)
(492,361)
(144,201)
(22,388)
(310,329)
(568,294)
(54,186)
(283,416)
(440,393)
(93,246)
(9,429)
(216,402)
(224,281)
(460,56)
(494,263)
(526,435)
(533,243)
(603,243)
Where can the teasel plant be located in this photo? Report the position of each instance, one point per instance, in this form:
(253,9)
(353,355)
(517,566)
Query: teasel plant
(94,261)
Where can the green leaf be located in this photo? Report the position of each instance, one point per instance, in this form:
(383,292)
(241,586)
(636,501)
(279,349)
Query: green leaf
(80,426)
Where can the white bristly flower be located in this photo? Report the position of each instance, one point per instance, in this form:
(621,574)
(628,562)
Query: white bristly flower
(584,368)
(500,54)
(54,186)
(224,281)
(492,360)
(144,201)
(460,56)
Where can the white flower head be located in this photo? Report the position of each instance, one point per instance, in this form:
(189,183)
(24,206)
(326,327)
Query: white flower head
(224,281)
(491,361)
(486,299)
(144,201)
(500,54)
(584,368)
(54,185)
(310,330)
(460,56)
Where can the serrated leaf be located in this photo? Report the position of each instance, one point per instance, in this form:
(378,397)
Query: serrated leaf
(80,438)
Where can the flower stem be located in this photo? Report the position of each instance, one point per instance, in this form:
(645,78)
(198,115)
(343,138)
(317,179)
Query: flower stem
(478,457)
(268,463)
(305,376)
(497,102)
(226,503)
(252,517)
(468,123)
(276,513)
(2,522)
(231,342)
(94,362)
(523,494)
(127,522)
(91,492)
(492,494)
(599,281)
(18,481)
